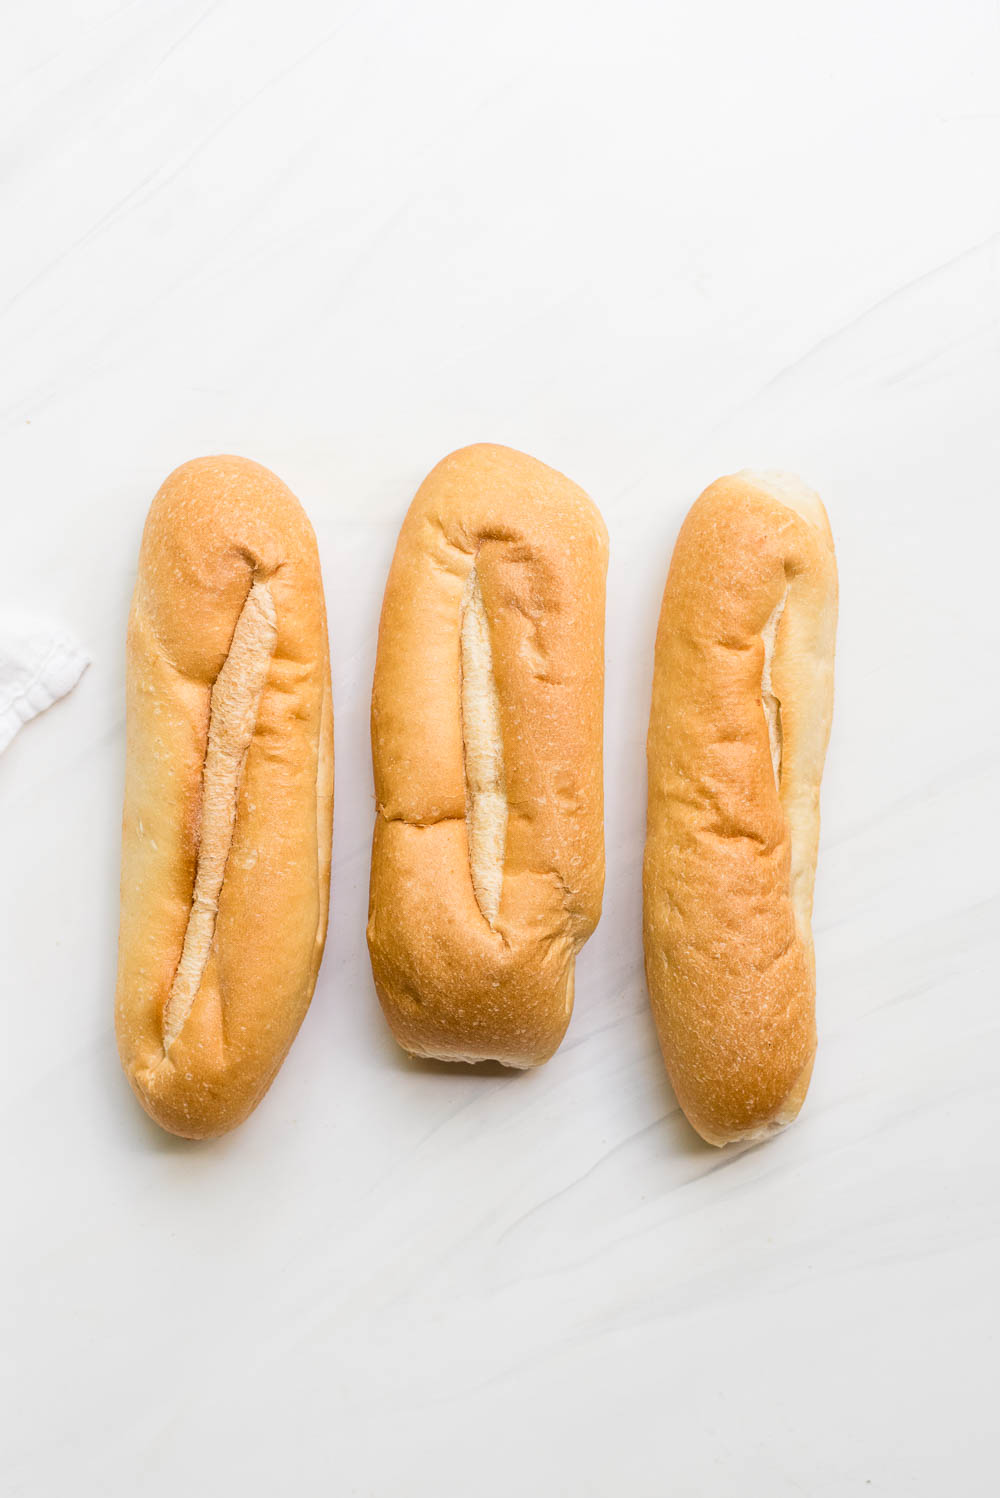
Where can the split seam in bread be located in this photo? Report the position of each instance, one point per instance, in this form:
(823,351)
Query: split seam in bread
(485,794)
(232,719)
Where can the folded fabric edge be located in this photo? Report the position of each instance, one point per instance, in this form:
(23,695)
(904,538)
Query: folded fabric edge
(56,674)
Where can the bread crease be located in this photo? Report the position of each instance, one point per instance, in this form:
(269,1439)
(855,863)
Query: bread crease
(485,793)
(232,719)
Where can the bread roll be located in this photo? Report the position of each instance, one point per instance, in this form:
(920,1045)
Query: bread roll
(228,795)
(488,855)
(742,702)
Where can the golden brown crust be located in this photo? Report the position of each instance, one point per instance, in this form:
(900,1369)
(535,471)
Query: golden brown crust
(733,818)
(217,528)
(457,981)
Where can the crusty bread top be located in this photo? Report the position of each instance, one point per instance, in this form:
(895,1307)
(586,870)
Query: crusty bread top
(487,709)
(228,799)
(742,704)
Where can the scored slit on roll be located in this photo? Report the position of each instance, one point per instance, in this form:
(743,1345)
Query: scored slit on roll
(772,707)
(235,703)
(485,793)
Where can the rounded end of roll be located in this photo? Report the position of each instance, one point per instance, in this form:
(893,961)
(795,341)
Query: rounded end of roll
(719,1133)
(788,490)
(184,1110)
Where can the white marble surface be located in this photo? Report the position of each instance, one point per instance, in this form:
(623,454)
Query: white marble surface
(649,244)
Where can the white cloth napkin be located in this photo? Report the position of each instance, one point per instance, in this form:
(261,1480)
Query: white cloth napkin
(39,663)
